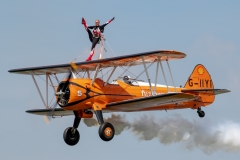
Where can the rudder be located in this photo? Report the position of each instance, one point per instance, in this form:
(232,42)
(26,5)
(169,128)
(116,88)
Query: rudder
(199,83)
(199,79)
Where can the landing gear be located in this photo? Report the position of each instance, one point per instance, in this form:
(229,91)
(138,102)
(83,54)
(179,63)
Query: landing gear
(106,130)
(201,113)
(71,135)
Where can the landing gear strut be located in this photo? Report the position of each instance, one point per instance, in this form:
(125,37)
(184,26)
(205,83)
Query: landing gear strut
(201,113)
(106,130)
(71,135)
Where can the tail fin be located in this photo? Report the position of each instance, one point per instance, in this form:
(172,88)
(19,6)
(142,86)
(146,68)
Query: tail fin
(200,83)
(199,79)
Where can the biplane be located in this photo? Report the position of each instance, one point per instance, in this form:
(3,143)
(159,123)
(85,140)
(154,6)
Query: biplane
(83,94)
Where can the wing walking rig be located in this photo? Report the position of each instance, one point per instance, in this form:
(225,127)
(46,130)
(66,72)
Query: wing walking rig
(83,94)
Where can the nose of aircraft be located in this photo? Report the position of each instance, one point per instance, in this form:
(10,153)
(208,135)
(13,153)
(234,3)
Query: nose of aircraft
(63,94)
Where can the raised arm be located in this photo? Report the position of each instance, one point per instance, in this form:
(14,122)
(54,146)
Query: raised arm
(91,27)
(102,26)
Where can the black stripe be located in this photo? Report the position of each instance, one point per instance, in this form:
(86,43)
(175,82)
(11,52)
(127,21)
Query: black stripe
(88,97)
(79,101)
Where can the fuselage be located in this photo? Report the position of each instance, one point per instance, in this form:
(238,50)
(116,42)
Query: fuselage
(83,94)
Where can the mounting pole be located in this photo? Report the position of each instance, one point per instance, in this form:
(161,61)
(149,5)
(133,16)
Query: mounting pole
(102,46)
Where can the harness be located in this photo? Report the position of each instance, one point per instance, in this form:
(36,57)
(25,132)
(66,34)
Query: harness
(97,31)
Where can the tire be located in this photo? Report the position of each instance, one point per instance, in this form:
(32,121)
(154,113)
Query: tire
(106,131)
(69,138)
(201,114)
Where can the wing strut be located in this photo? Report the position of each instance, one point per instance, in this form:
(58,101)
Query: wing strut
(144,70)
(163,73)
(52,84)
(156,76)
(56,77)
(38,90)
(171,75)
(110,75)
(95,74)
(88,73)
(150,85)
(47,75)
(124,71)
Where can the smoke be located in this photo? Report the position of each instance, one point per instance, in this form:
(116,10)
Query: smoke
(118,121)
(205,135)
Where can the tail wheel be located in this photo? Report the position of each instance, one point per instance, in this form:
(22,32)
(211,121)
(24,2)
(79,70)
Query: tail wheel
(201,114)
(71,136)
(106,131)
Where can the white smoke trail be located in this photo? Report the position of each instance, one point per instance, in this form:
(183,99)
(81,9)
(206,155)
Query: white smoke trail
(205,135)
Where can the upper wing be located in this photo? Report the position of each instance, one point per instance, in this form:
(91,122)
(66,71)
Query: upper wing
(127,60)
(149,102)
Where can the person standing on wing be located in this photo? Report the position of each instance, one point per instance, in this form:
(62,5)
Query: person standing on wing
(95,35)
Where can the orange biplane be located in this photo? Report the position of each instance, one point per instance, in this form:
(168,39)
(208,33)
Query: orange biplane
(82,94)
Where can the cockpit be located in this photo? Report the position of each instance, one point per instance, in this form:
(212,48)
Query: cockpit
(127,79)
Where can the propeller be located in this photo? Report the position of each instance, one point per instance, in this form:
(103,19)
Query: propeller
(60,94)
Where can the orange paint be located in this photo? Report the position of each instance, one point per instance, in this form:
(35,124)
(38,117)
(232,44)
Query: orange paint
(97,96)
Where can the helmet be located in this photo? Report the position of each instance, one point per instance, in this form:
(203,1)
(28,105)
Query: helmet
(126,78)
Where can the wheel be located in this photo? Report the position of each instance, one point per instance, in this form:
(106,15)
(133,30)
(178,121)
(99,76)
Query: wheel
(201,114)
(71,138)
(106,131)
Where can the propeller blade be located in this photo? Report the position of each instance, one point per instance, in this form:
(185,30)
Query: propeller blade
(46,119)
(49,115)
(67,82)
(73,66)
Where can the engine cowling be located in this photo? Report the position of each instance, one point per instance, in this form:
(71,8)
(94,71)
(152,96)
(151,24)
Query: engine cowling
(63,94)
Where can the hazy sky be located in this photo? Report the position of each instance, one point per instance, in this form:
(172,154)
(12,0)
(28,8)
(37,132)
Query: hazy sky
(34,33)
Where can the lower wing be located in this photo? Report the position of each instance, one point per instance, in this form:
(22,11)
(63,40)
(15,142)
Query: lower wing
(126,106)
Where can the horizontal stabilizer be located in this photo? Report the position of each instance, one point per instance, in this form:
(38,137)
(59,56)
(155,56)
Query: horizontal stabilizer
(213,91)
